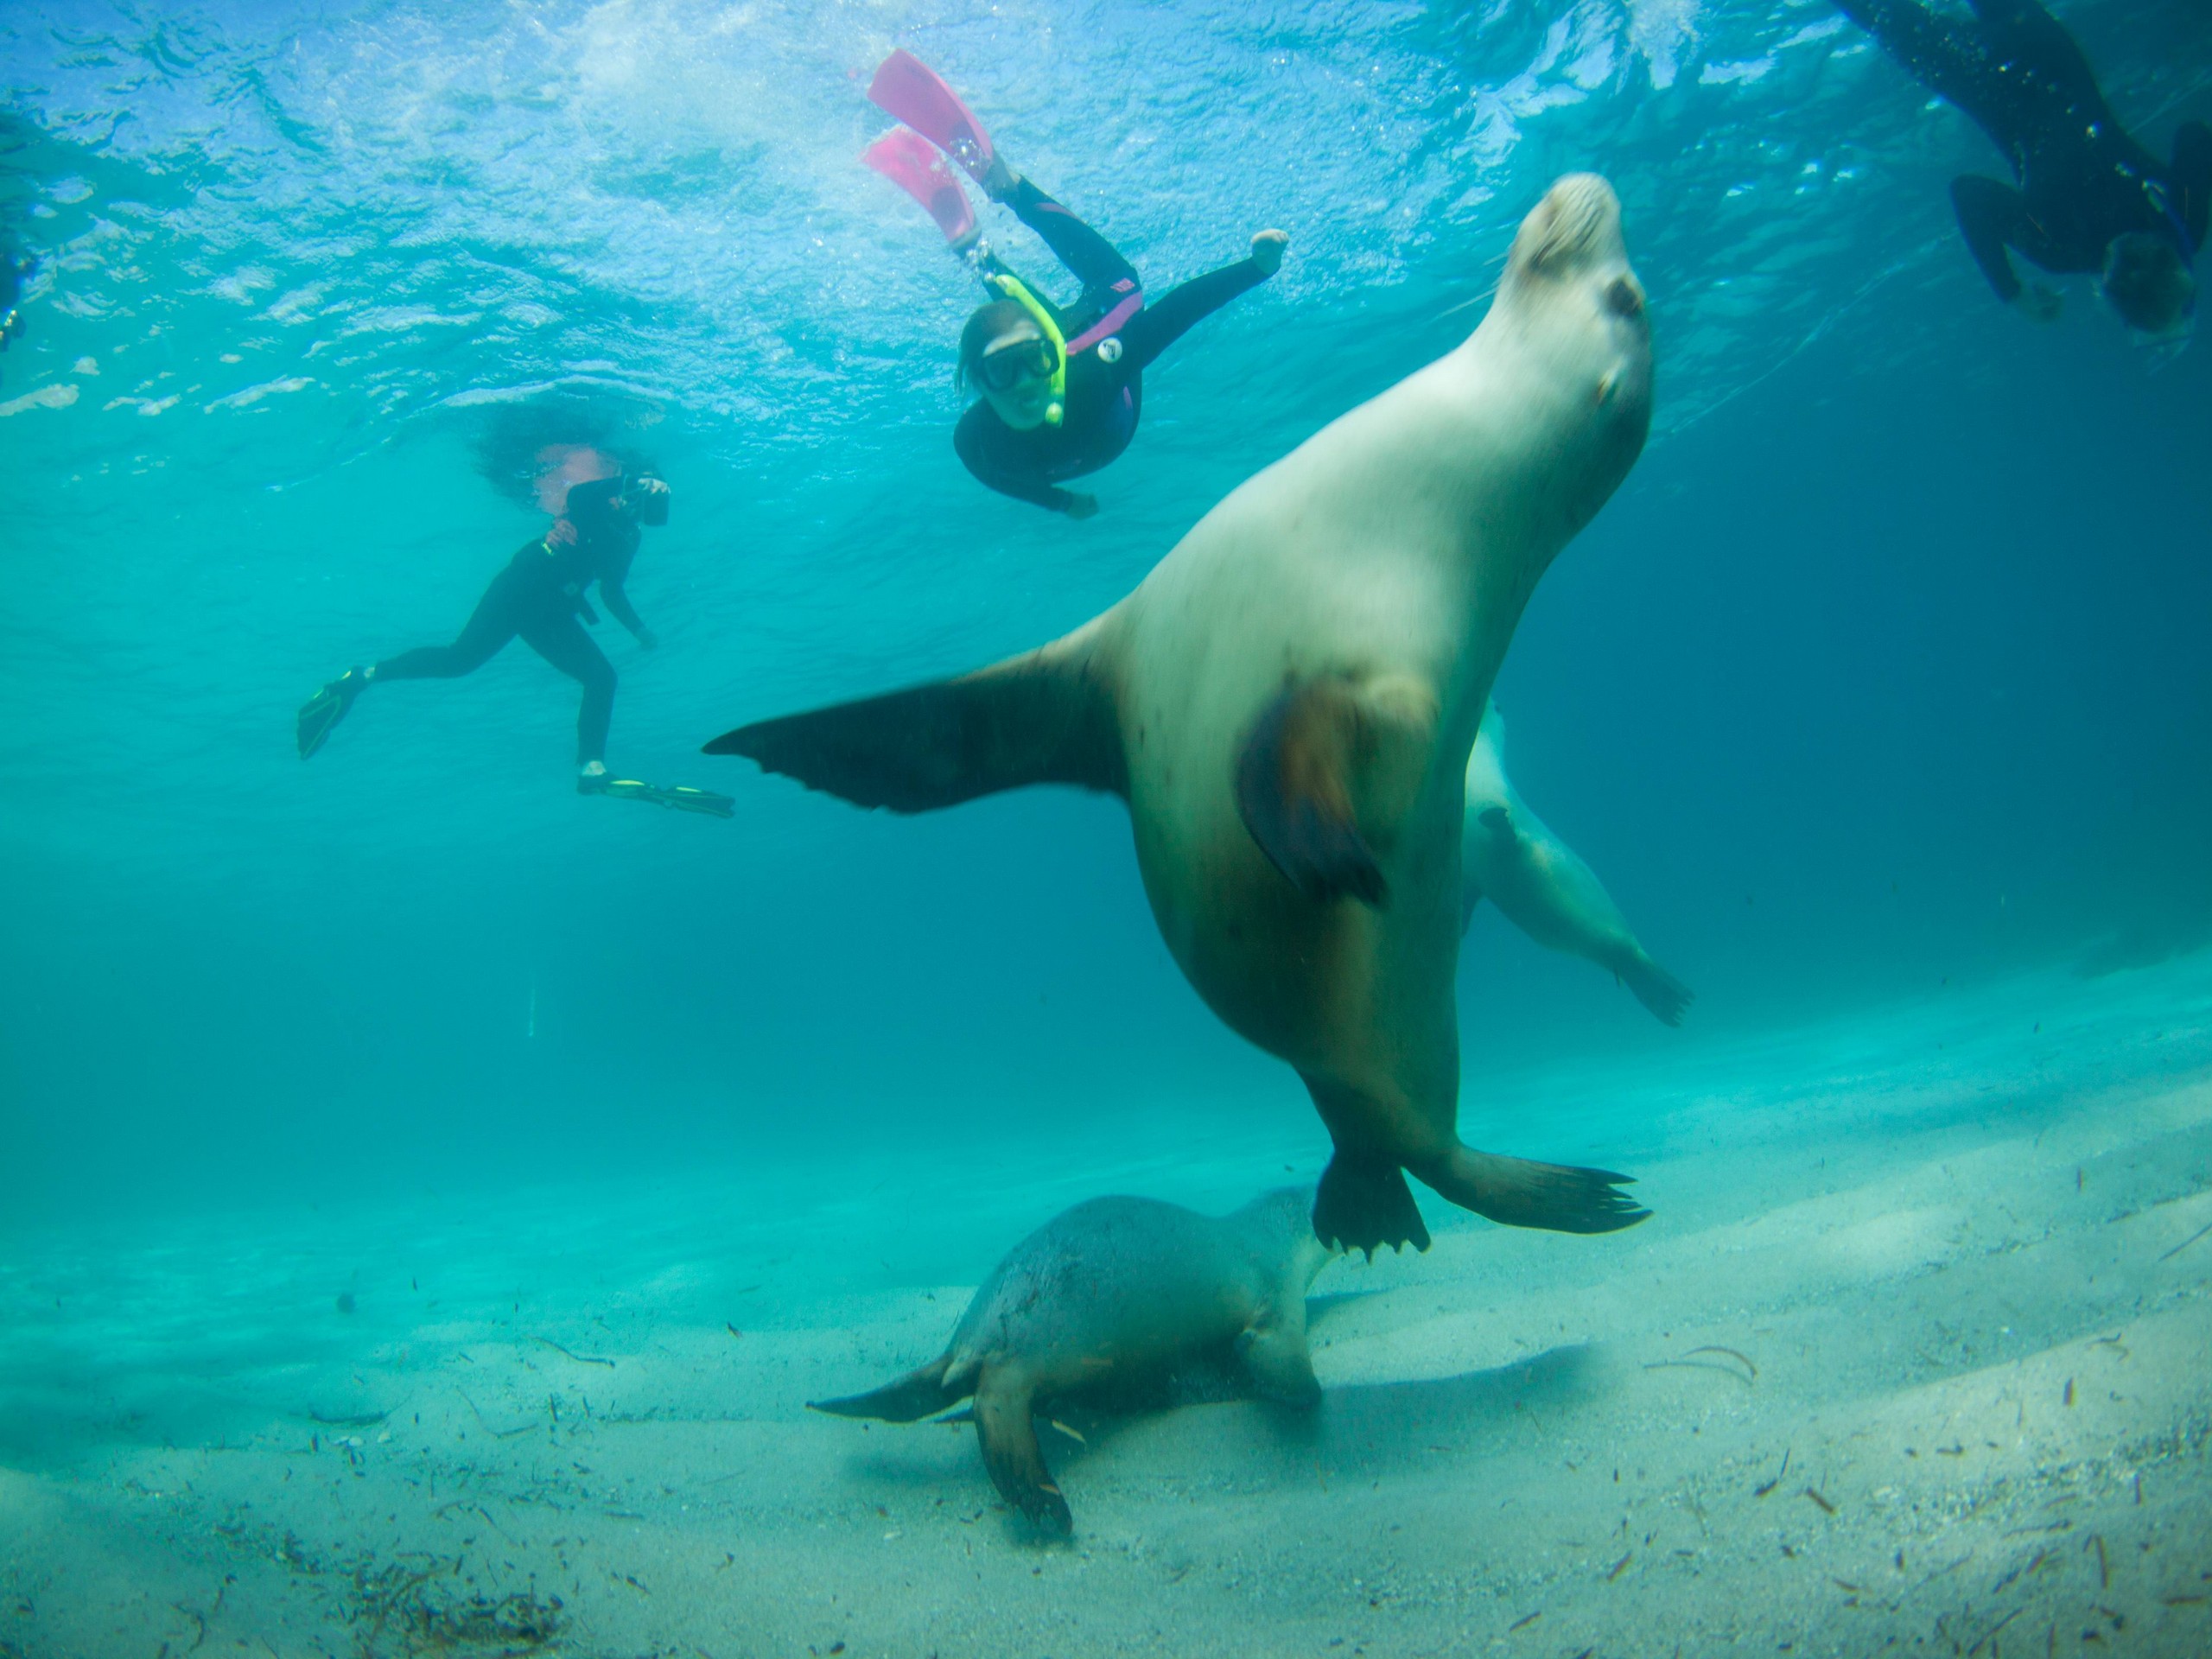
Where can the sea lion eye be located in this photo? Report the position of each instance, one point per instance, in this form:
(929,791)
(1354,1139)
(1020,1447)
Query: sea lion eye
(1623,298)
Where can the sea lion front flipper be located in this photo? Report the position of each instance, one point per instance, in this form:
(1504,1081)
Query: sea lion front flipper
(1520,1193)
(1046,717)
(1007,1434)
(1304,768)
(913,1397)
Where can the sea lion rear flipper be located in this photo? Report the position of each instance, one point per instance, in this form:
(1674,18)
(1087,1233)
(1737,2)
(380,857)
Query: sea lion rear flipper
(1658,990)
(1007,1434)
(1519,1192)
(1296,775)
(913,1397)
(1046,717)
(1364,1203)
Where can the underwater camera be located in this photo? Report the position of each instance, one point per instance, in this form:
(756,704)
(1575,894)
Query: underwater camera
(652,505)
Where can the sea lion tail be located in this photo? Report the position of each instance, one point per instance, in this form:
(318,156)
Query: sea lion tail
(1519,1192)
(1046,717)
(913,1397)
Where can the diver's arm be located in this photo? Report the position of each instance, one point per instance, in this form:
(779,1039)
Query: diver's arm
(2192,177)
(1995,218)
(617,601)
(614,572)
(1165,320)
(970,442)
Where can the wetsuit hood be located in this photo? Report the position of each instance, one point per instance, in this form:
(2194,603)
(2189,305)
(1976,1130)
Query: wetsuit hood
(1016,290)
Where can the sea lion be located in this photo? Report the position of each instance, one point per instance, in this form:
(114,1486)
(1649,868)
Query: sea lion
(1102,1305)
(1287,703)
(1539,884)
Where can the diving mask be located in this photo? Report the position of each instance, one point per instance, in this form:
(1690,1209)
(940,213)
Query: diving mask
(1033,358)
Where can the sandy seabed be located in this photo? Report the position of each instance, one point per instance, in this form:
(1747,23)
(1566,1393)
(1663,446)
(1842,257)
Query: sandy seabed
(1915,1355)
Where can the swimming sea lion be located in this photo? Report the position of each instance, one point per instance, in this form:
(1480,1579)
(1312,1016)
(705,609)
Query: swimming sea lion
(1286,703)
(1102,1303)
(1541,886)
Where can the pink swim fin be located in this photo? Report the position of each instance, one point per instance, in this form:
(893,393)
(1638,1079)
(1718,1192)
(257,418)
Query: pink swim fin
(907,160)
(909,89)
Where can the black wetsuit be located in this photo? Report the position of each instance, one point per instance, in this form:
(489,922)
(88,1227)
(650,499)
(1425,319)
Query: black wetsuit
(1103,399)
(540,596)
(13,268)
(2083,181)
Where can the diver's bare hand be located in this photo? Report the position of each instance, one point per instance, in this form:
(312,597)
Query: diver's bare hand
(563,534)
(2041,303)
(1267,250)
(1080,506)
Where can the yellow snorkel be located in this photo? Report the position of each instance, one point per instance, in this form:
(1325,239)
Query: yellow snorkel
(1014,289)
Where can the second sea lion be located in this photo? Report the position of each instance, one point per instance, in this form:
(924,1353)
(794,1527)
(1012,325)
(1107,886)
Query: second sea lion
(1105,1302)
(1509,855)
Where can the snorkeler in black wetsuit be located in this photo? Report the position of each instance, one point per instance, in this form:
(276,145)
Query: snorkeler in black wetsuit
(540,598)
(2090,197)
(13,268)
(1036,425)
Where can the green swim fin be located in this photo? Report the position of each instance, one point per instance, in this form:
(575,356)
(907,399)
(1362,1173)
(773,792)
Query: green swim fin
(682,796)
(322,711)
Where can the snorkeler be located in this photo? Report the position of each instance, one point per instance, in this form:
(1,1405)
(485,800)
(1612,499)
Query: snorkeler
(2090,197)
(540,597)
(13,268)
(1061,388)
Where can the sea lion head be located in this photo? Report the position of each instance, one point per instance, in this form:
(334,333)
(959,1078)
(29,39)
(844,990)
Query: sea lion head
(1570,292)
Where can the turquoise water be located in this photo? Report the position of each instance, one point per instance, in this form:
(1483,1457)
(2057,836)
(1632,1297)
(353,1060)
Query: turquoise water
(1878,697)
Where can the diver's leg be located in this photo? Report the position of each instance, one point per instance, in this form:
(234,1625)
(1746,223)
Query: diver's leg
(1942,54)
(495,621)
(1097,263)
(561,640)
(491,625)
(1163,321)
(2023,33)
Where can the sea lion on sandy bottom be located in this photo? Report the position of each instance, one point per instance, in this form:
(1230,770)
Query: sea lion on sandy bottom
(1542,886)
(1286,703)
(1103,1303)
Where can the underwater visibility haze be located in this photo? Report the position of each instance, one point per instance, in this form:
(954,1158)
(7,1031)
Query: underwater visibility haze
(431,1195)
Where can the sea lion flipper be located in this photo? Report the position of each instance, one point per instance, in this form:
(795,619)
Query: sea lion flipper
(1364,1203)
(913,1397)
(1667,997)
(1293,793)
(1520,1193)
(1007,1434)
(1046,717)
